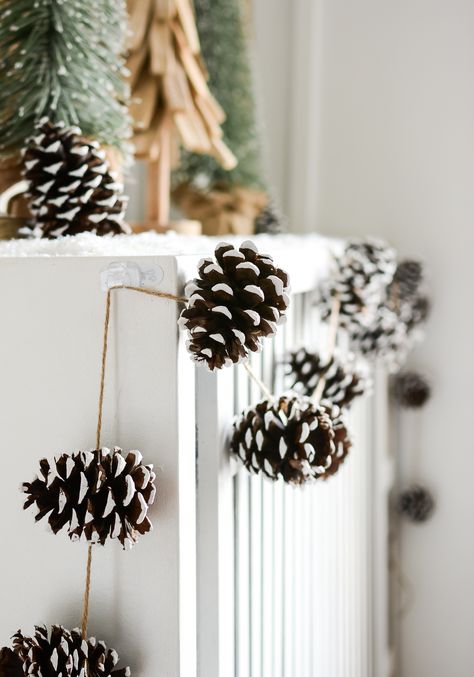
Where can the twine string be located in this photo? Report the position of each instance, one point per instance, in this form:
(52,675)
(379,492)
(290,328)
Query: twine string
(100,409)
(332,338)
(258,381)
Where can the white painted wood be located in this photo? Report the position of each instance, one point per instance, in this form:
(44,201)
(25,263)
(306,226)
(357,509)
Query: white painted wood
(143,601)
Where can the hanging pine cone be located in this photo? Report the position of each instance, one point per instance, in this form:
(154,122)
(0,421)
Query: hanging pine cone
(96,494)
(10,664)
(396,325)
(407,280)
(71,187)
(270,220)
(416,503)
(64,653)
(364,270)
(344,380)
(292,439)
(412,390)
(237,300)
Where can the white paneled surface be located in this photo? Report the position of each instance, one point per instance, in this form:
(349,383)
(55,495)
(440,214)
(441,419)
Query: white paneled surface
(240,577)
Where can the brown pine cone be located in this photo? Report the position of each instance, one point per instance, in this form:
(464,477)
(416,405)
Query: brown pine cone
(71,187)
(416,504)
(344,380)
(292,439)
(62,652)
(10,664)
(412,390)
(96,494)
(364,270)
(237,299)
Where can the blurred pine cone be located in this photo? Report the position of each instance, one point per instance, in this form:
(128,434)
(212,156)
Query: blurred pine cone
(62,652)
(270,220)
(344,380)
(364,270)
(10,664)
(292,439)
(416,503)
(237,300)
(408,277)
(71,187)
(411,389)
(96,494)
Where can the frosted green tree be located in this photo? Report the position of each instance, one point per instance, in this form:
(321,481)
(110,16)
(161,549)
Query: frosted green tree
(61,59)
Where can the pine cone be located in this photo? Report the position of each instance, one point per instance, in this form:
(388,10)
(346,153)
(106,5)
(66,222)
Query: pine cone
(412,390)
(291,438)
(408,277)
(364,270)
(270,220)
(10,664)
(416,503)
(71,187)
(96,494)
(238,298)
(344,380)
(62,652)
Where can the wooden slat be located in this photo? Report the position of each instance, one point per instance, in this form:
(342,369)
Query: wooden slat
(139,18)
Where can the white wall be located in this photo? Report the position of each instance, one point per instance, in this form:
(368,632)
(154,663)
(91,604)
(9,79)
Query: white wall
(392,153)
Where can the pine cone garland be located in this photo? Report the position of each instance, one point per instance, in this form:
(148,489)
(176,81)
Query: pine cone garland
(416,503)
(238,298)
(96,494)
(412,390)
(292,439)
(344,380)
(10,664)
(64,653)
(364,270)
(71,187)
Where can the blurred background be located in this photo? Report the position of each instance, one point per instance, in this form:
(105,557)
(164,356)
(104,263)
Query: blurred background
(369,109)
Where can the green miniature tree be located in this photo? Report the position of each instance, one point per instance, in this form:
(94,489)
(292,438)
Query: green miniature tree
(61,60)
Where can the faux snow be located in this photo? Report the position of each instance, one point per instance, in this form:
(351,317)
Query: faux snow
(151,244)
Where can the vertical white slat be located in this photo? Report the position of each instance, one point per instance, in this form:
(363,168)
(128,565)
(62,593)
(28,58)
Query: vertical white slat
(256,575)
(216,541)
(242,531)
(288,647)
(278,580)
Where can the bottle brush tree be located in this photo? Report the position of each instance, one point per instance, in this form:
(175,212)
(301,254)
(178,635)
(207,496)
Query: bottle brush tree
(61,60)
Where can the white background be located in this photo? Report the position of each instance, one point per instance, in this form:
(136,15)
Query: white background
(369,107)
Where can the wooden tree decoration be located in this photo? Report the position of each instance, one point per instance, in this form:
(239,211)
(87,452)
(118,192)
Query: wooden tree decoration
(171,101)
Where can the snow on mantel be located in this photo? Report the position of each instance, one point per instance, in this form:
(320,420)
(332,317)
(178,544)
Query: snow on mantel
(151,244)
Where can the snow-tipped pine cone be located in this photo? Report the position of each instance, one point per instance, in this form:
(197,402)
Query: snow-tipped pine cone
(363,272)
(416,503)
(238,298)
(344,379)
(64,653)
(95,494)
(10,664)
(71,187)
(292,439)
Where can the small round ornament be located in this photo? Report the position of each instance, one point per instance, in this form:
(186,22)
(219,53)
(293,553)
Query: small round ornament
(239,298)
(291,438)
(344,378)
(96,495)
(412,390)
(363,272)
(60,652)
(416,504)
(70,184)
